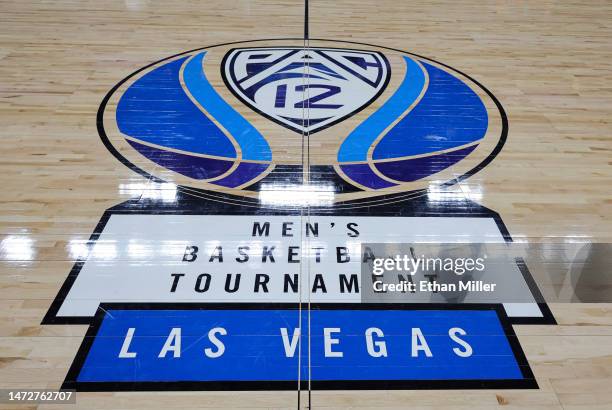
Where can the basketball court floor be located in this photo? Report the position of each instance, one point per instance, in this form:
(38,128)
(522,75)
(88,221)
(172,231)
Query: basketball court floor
(224,204)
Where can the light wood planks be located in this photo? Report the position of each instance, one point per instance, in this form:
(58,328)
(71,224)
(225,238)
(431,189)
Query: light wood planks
(548,62)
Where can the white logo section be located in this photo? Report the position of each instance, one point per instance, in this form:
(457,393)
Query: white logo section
(153,258)
(306,90)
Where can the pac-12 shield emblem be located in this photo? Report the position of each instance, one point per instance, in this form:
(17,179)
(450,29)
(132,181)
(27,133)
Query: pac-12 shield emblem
(306,90)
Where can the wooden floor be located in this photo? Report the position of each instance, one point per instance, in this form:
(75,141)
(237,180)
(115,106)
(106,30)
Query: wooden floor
(548,62)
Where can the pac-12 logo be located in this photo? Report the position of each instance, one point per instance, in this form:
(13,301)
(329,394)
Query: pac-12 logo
(306,90)
(233,118)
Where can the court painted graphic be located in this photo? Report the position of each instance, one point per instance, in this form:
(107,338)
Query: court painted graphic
(211,347)
(223,119)
(237,141)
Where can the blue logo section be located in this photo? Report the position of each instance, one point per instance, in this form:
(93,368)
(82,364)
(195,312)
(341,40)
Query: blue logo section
(433,120)
(212,344)
(171,124)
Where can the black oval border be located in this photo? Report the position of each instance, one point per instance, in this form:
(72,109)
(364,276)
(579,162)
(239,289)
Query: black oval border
(381,199)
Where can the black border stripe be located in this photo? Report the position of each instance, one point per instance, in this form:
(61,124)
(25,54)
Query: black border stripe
(306,22)
(527,382)
(51,317)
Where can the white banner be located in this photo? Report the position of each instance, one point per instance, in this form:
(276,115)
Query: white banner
(251,258)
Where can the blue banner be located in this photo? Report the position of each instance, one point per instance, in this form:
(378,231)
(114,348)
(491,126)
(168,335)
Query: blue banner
(261,345)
